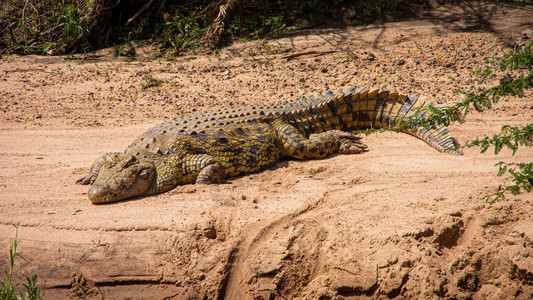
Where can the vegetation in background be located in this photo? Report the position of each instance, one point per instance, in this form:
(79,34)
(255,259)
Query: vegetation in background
(74,26)
(7,289)
(77,26)
(519,65)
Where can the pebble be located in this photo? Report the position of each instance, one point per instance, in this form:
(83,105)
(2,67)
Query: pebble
(401,62)
(51,212)
(370,57)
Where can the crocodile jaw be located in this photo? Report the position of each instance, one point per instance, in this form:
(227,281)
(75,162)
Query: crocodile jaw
(122,181)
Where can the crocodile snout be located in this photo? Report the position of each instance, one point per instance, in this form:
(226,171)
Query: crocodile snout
(97,193)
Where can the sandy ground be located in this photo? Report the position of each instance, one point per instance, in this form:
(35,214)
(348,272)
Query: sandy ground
(401,220)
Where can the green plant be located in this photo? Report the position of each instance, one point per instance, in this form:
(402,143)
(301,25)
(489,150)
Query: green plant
(72,30)
(7,290)
(522,178)
(180,31)
(150,81)
(276,22)
(233,28)
(511,137)
(522,173)
(103,294)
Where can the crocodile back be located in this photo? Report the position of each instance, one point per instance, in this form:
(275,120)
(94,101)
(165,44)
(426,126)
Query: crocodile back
(200,122)
(354,109)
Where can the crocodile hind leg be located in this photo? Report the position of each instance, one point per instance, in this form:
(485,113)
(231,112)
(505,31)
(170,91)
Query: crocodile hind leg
(317,145)
(110,157)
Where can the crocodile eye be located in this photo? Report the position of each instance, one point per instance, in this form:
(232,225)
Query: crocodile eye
(144,174)
(130,159)
(127,161)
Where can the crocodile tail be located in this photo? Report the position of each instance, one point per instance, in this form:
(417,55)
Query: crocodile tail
(374,108)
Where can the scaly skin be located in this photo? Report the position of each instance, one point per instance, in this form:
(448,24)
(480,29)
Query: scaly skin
(214,146)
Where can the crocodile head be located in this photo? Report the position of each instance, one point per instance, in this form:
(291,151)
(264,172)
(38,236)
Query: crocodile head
(121,177)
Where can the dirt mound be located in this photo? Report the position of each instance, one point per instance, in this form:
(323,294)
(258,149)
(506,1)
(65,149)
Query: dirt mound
(401,220)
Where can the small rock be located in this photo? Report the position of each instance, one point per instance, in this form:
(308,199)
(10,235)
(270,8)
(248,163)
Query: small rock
(38,116)
(524,36)
(210,231)
(302,79)
(51,212)
(468,280)
(407,263)
(401,62)
(370,57)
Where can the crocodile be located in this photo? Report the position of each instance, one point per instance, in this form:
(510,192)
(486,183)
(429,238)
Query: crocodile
(206,148)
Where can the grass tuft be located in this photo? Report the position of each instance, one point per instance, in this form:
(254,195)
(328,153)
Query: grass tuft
(7,289)
(150,81)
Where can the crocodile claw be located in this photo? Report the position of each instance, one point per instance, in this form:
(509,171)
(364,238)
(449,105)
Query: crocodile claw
(85,180)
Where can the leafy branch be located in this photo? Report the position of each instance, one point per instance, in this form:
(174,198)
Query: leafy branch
(511,137)
(522,178)
(478,101)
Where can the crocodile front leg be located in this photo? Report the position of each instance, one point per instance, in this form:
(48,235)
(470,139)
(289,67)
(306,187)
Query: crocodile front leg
(212,173)
(317,145)
(202,169)
(110,157)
